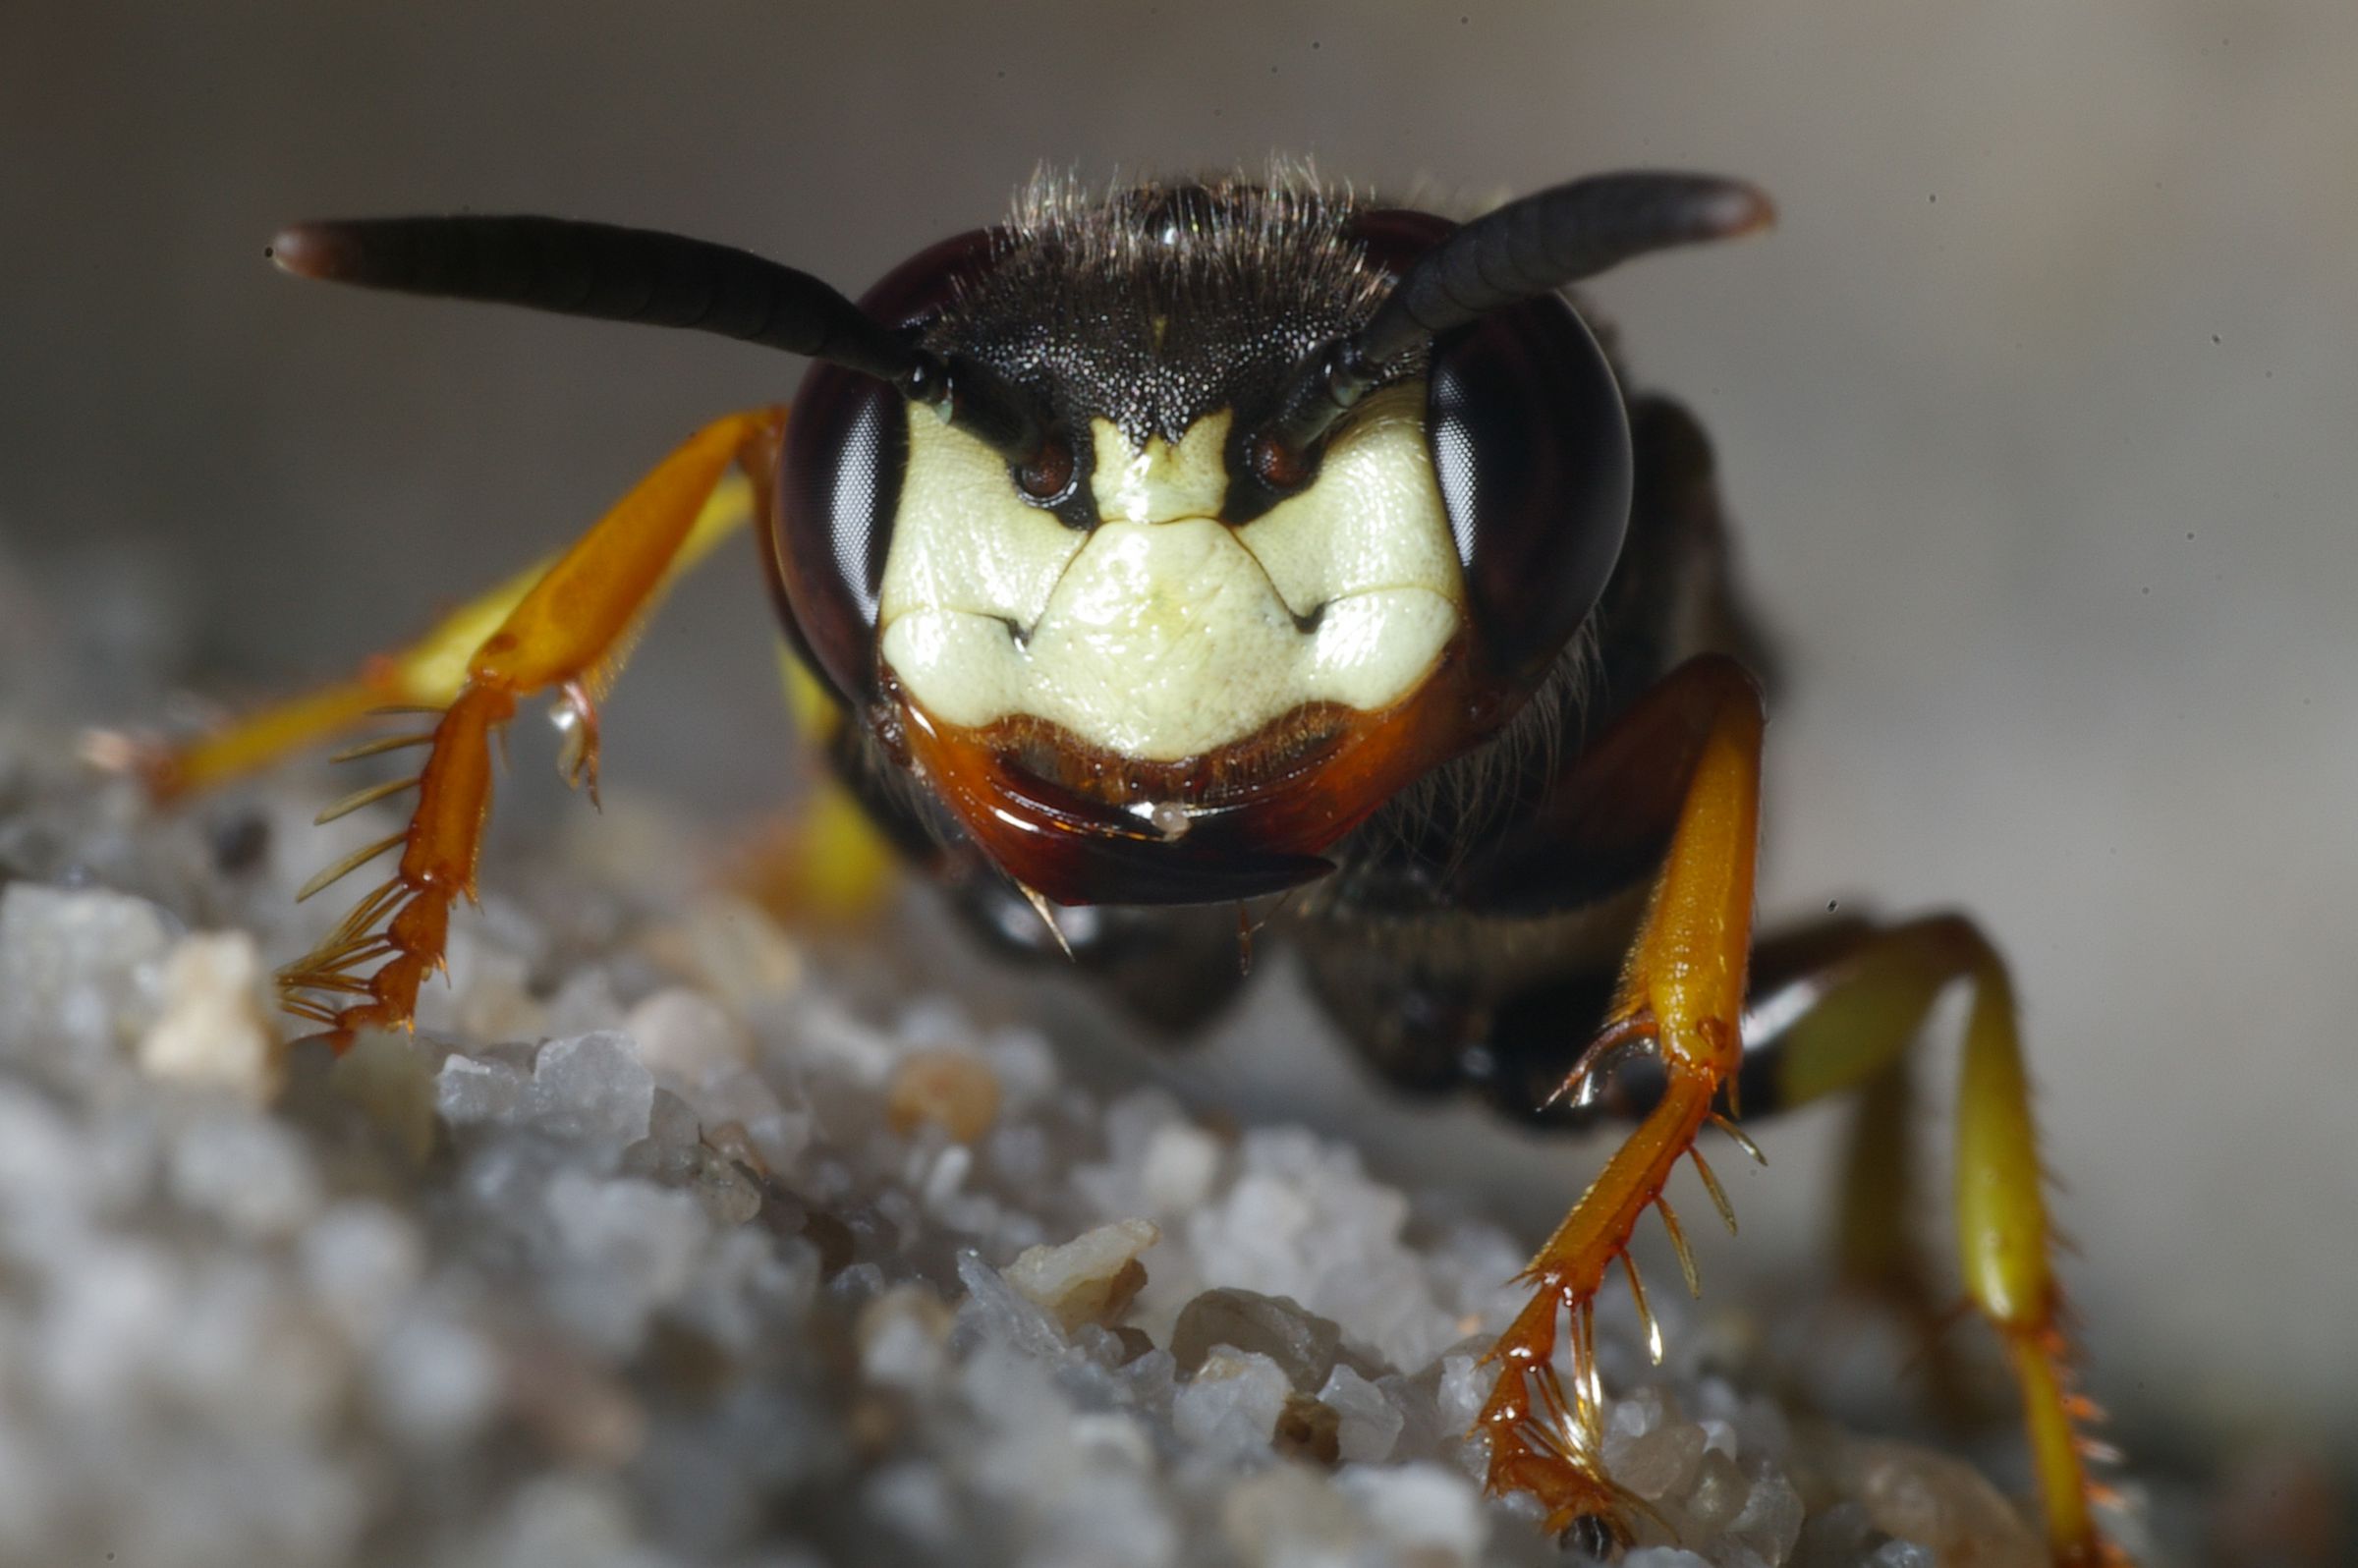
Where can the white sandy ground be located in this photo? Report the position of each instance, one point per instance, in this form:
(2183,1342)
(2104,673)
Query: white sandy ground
(672,1238)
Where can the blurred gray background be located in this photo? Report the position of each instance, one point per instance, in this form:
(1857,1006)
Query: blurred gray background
(2039,410)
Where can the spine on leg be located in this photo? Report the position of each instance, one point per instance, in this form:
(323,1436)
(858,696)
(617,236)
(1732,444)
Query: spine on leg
(1541,1441)
(2005,1239)
(405,921)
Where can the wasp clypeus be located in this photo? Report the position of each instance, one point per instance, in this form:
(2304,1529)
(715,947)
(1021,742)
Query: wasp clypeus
(1221,544)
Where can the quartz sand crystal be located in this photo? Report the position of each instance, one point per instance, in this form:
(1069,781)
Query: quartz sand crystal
(665,1240)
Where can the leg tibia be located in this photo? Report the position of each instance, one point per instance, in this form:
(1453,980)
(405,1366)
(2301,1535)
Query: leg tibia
(1685,977)
(2001,1213)
(2005,1242)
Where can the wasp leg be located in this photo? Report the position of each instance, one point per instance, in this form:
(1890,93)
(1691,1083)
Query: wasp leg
(1681,997)
(1846,1024)
(827,861)
(570,629)
(427,673)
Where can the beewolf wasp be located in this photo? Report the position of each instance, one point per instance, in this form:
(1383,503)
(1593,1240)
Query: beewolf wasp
(1223,543)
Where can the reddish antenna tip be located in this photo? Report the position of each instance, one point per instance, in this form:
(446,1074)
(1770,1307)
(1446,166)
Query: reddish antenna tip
(1740,209)
(313,251)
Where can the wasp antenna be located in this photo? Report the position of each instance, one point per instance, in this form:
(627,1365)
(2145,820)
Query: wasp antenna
(1527,248)
(610,273)
(601,271)
(1553,238)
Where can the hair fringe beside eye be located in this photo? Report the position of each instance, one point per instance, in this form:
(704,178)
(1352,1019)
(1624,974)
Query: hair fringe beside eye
(1462,800)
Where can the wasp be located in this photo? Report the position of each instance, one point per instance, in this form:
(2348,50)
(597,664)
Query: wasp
(1221,546)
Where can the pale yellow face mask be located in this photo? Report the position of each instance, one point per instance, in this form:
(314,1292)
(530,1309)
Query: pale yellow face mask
(1163,633)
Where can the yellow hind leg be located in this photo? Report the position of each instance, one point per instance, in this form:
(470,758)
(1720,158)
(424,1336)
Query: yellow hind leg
(1847,1024)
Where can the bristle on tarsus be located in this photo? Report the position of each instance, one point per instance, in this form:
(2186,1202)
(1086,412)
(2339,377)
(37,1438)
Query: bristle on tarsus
(1637,1296)
(1678,1243)
(1711,1184)
(366,972)
(363,797)
(376,747)
(1743,1138)
(329,876)
(1546,1428)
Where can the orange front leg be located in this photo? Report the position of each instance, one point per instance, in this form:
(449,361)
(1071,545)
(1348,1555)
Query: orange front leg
(571,629)
(1681,996)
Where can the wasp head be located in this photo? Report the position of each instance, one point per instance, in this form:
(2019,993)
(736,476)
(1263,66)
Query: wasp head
(1255,557)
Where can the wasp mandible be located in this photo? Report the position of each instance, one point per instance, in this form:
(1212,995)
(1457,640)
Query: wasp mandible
(1224,542)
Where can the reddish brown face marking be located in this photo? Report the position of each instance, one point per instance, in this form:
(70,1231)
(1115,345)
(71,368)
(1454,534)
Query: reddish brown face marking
(1081,826)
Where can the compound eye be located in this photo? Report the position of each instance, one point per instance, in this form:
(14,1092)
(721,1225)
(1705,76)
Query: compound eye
(1530,444)
(846,453)
(846,448)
